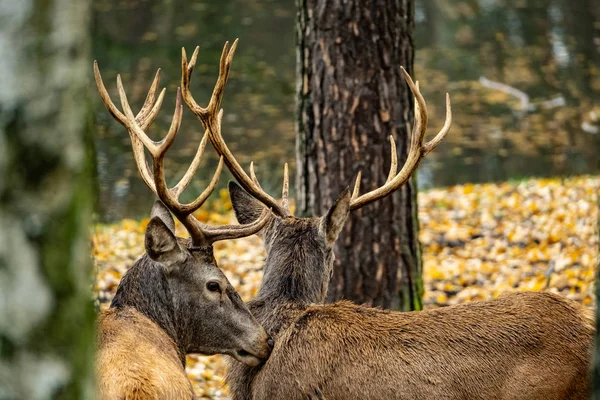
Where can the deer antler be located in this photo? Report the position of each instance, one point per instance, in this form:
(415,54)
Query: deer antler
(418,149)
(213,126)
(146,117)
(200,233)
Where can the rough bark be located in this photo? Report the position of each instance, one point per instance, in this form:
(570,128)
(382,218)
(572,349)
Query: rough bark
(351,97)
(46,195)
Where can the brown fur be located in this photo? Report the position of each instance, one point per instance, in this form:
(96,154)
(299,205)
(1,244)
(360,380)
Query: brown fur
(519,346)
(149,365)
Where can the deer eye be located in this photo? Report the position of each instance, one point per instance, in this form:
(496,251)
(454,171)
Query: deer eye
(213,286)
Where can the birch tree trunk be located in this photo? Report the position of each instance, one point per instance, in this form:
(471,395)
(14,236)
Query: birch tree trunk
(351,98)
(46,195)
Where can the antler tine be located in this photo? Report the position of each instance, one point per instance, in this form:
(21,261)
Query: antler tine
(186,74)
(146,117)
(149,110)
(224,67)
(187,177)
(393,159)
(194,205)
(213,125)
(391,174)
(253,174)
(148,105)
(285,190)
(138,147)
(421,118)
(110,106)
(205,113)
(416,152)
(130,122)
(224,232)
(140,160)
(433,143)
(356,186)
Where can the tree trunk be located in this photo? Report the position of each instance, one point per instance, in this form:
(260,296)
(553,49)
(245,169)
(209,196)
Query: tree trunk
(46,195)
(351,98)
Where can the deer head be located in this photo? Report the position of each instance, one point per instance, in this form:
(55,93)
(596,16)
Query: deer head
(300,250)
(177,283)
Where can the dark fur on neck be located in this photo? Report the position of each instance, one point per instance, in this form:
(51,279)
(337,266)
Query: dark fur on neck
(296,276)
(295,270)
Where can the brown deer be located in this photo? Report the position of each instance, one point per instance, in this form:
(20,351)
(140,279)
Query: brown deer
(519,346)
(174,300)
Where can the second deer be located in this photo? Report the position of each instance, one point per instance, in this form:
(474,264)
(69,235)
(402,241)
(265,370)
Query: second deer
(519,346)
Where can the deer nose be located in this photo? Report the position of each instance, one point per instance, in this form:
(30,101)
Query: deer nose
(270,343)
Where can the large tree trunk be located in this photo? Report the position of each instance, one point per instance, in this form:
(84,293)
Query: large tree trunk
(351,97)
(46,195)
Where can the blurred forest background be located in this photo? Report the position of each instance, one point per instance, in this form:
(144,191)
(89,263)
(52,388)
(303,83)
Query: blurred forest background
(524,76)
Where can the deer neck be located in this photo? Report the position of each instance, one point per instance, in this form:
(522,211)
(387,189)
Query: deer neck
(296,275)
(293,280)
(275,316)
(145,288)
(293,276)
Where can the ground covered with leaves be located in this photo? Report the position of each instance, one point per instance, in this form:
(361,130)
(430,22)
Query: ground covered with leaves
(478,242)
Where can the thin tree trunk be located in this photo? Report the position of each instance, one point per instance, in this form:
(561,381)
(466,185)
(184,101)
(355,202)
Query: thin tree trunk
(351,98)
(46,195)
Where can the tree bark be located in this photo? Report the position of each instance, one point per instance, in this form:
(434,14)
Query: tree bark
(351,98)
(46,198)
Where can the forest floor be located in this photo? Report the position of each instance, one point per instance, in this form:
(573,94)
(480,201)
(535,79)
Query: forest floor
(478,242)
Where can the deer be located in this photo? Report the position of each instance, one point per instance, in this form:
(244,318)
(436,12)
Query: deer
(174,300)
(523,345)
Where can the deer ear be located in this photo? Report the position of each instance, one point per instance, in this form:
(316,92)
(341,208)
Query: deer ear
(333,222)
(161,211)
(161,244)
(247,209)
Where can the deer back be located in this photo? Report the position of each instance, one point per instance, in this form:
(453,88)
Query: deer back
(519,346)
